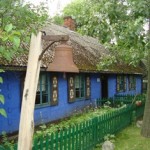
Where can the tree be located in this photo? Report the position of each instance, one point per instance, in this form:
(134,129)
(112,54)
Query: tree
(116,23)
(17,22)
(119,25)
(146,120)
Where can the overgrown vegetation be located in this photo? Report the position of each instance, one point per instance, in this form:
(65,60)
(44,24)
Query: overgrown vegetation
(7,144)
(78,117)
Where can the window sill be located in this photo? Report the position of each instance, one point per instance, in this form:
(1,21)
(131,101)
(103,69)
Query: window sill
(121,91)
(80,99)
(38,106)
(132,90)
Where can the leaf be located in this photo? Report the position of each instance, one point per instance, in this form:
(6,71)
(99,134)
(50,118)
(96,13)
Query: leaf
(2,48)
(3,112)
(16,41)
(8,27)
(2,100)
(7,55)
(1,79)
(5,38)
(16,33)
(1,70)
(2,148)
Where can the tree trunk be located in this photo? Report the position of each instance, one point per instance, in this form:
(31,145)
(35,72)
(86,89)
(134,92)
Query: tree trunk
(146,119)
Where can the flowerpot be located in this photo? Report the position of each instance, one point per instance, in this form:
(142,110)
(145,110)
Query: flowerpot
(138,103)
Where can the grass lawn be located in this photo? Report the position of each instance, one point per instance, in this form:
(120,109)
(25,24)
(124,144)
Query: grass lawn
(130,139)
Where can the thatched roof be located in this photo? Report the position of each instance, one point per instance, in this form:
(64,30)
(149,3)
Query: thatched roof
(87,52)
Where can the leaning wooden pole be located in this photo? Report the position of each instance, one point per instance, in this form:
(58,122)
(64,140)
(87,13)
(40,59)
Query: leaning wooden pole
(26,127)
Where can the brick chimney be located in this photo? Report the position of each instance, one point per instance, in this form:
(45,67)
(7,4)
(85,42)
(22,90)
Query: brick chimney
(69,23)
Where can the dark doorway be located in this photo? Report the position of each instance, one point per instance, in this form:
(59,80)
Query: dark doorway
(104,86)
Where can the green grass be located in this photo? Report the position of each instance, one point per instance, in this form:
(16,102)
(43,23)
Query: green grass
(130,139)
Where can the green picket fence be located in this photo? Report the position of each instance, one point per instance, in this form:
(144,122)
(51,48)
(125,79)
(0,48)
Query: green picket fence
(86,135)
(127,99)
(118,99)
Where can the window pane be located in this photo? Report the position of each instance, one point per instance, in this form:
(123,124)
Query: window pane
(37,101)
(79,86)
(77,82)
(44,98)
(121,83)
(42,90)
(82,93)
(77,94)
(132,83)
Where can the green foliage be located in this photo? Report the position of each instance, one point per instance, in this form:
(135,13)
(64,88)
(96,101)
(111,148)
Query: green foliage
(17,22)
(78,117)
(109,137)
(58,19)
(2,99)
(118,24)
(1,80)
(3,112)
(7,144)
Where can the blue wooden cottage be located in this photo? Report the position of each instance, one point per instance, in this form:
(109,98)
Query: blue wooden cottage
(58,96)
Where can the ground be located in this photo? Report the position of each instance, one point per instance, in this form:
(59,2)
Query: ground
(130,139)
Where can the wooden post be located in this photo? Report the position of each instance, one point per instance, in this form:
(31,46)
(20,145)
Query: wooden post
(26,127)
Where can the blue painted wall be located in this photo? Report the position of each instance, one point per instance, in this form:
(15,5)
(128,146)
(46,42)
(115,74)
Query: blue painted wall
(64,108)
(112,80)
(12,93)
(111,85)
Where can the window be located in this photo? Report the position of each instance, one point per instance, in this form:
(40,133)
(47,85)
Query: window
(78,87)
(121,83)
(47,90)
(132,82)
(43,92)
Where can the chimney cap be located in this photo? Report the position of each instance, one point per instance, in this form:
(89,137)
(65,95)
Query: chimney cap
(69,23)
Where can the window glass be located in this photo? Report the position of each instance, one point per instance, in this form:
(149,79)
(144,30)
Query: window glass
(79,86)
(42,90)
(121,83)
(132,82)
